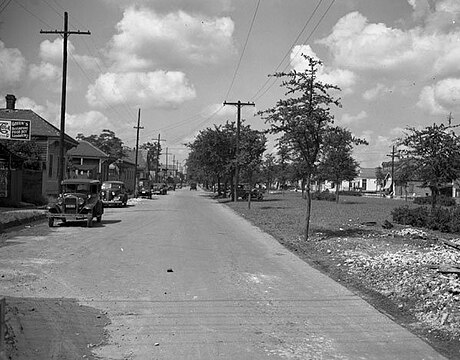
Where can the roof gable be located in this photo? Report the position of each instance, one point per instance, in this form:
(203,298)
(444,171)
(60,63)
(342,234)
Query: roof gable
(39,127)
(367,173)
(88,150)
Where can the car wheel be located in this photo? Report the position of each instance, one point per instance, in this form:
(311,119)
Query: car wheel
(50,222)
(89,221)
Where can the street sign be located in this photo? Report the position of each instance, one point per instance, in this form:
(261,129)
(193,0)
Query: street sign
(15,129)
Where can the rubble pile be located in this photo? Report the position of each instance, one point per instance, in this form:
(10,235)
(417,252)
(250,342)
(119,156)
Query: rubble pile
(418,275)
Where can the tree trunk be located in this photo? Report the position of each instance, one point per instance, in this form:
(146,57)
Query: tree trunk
(308,207)
(337,192)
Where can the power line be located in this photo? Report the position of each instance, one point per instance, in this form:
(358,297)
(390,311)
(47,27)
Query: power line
(308,37)
(290,48)
(244,48)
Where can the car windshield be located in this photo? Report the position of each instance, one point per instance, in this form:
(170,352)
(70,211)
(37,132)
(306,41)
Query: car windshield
(76,188)
(111,186)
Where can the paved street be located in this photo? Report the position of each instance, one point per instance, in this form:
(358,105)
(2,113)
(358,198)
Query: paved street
(183,277)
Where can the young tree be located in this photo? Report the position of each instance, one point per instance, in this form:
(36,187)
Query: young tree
(337,163)
(28,150)
(303,120)
(108,142)
(434,155)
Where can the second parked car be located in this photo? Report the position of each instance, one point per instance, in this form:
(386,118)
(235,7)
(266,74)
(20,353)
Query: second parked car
(114,193)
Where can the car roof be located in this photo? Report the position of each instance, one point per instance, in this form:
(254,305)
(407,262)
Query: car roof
(80,181)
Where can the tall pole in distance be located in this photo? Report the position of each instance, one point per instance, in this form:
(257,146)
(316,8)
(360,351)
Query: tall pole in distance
(65,34)
(238,105)
(157,166)
(138,127)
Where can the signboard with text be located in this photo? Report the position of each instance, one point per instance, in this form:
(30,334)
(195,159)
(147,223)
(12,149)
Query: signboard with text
(15,129)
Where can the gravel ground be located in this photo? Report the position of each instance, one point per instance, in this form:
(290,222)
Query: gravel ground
(407,273)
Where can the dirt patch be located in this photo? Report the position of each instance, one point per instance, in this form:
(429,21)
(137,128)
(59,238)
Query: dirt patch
(43,329)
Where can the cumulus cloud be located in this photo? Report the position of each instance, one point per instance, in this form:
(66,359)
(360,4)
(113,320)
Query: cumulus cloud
(80,123)
(359,45)
(152,89)
(12,67)
(348,119)
(441,98)
(376,92)
(344,79)
(147,39)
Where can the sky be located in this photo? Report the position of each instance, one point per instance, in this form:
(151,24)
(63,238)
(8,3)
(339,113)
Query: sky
(175,62)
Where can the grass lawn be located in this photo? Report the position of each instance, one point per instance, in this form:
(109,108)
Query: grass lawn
(283,215)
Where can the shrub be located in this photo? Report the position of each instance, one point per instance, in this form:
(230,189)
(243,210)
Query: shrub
(441,201)
(440,219)
(418,216)
(350,193)
(323,195)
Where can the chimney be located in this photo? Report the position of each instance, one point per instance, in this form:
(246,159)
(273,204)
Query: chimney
(10,101)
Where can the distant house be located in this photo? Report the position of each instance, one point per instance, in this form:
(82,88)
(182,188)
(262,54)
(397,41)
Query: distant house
(47,136)
(123,170)
(88,161)
(366,181)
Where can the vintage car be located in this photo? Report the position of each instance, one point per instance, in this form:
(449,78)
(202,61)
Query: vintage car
(114,193)
(80,199)
(144,189)
(243,192)
(193,186)
(159,189)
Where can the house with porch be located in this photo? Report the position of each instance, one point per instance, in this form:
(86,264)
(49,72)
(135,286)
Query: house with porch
(47,137)
(88,161)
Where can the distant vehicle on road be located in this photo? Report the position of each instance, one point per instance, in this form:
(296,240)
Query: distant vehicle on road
(193,186)
(145,188)
(114,193)
(80,199)
(159,189)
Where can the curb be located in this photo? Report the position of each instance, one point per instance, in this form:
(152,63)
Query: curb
(15,218)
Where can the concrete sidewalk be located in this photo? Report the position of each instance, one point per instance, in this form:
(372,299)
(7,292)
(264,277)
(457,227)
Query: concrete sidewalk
(10,217)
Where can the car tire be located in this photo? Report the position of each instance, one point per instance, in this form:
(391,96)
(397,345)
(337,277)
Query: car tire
(89,221)
(50,222)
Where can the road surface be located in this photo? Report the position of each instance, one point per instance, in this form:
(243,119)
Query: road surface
(183,277)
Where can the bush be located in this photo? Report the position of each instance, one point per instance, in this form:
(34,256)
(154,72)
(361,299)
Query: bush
(441,201)
(440,218)
(350,193)
(411,216)
(323,195)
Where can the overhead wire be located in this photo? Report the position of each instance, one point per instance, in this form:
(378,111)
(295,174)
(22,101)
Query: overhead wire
(308,37)
(4,5)
(243,51)
(290,48)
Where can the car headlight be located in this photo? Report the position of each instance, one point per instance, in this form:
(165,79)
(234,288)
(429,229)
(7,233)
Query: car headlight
(81,201)
(113,193)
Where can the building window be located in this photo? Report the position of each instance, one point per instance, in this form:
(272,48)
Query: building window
(50,165)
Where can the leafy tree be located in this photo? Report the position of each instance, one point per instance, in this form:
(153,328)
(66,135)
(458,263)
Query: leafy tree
(380,176)
(108,142)
(337,163)
(303,119)
(434,155)
(211,153)
(153,154)
(269,170)
(27,150)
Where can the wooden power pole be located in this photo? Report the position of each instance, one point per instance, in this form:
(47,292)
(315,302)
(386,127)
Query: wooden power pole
(138,127)
(238,105)
(65,34)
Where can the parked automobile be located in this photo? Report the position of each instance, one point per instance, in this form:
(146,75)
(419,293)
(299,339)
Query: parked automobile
(243,192)
(159,189)
(145,189)
(80,199)
(193,186)
(114,193)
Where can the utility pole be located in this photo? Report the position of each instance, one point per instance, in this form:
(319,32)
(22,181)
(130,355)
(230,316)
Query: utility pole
(157,167)
(65,34)
(138,127)
(238,105)
(393,155)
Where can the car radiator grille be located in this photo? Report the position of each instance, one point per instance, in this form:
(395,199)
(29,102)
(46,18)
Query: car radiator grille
(71,205)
